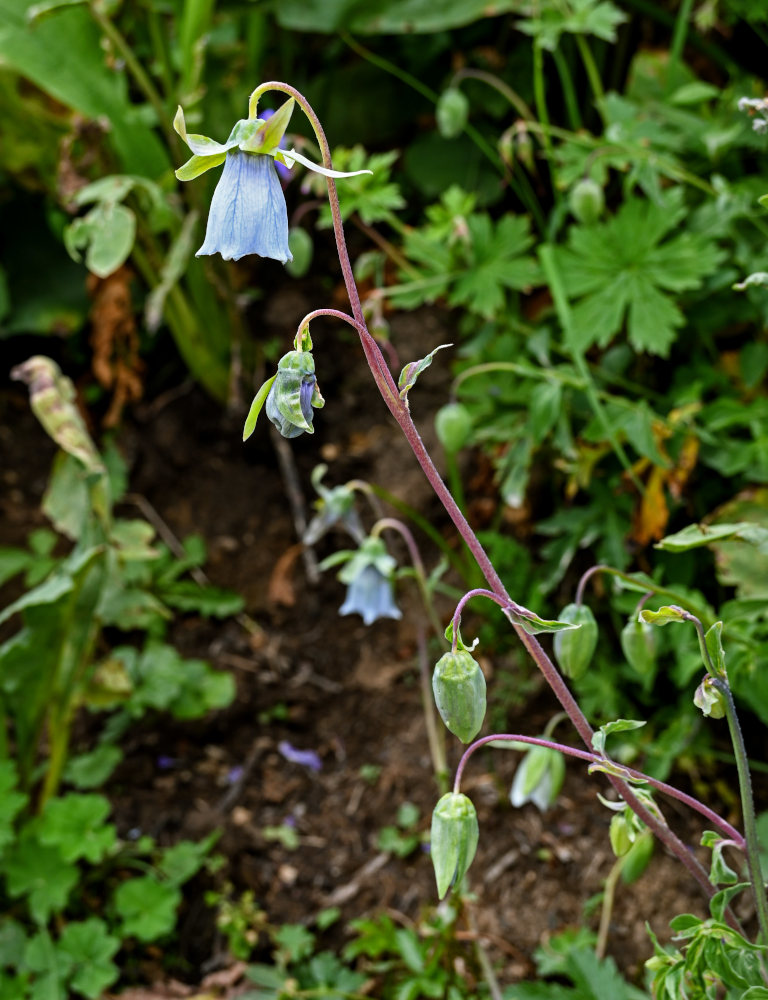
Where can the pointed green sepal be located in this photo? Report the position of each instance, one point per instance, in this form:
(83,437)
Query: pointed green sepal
(258,401)
(533,624)
(453,840)
(287,157)
(665,615)
(270,133)
(413,369)
(197,165)
(199,144)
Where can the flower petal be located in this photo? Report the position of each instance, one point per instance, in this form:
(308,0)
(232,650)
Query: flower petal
(248,213)
(287,156)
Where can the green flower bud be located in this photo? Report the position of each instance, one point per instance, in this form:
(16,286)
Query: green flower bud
(453,840)
(452,113)
(538,778)
(459,688)
(293,394)
(709,699)
(586,201)
(575,647)
(638,641)
(453,424)
(638,857)
(301,247)
(621,834)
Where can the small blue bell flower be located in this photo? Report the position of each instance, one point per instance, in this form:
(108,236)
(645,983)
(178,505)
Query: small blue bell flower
(368,574)
(336,507)
(248,211)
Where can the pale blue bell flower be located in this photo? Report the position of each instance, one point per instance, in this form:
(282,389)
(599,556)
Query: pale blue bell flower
(248,211)
(370,595)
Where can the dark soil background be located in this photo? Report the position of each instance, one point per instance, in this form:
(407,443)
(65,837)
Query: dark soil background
(351,692)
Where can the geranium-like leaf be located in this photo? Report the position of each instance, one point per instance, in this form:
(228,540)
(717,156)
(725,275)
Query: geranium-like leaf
(413,369)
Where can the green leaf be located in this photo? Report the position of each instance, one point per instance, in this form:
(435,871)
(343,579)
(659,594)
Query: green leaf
(11,802)
(91,770)
(413,369)
(532,624)
(74,823)
(696,535)
(617,726)
(210,602)
(622,270)
(663,616)
(89,949)
(146,907)
(179,863)
(107,233)
(714,643)
(397,16)
(39,873)
(496,260)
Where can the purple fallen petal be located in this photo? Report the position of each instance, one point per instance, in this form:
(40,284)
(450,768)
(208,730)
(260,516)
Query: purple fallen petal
(307,758)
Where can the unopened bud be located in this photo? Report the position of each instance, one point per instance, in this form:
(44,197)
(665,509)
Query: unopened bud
(459,688)
(574,648)
(638,641)
(453,840)
(586,201)
(453,424)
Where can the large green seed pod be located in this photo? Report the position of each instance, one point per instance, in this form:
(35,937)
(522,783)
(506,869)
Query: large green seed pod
(638,642)
(575,647)
(453,840)
(293,394)
(459,688)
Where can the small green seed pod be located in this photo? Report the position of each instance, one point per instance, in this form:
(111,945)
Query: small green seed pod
(453,840)
(453,424)
(452,113)
(638,642)
(293,394)
(586,201)
(621,835)
(575,647)
(459,688)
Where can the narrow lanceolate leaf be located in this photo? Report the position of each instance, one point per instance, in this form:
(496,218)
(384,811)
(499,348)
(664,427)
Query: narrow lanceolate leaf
(197,165)
(287,156)
(413,369)
(533,624)
(258,401)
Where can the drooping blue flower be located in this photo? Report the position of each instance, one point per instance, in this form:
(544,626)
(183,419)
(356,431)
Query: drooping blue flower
(248,212)
(368,573)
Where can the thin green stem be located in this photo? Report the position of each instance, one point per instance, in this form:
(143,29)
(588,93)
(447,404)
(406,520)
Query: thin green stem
(141,78)
(752,848)
(593,74)
(606,910)
(552,273)
(498,84)
(569,91)
(646,584)
(540,98)
(678,39)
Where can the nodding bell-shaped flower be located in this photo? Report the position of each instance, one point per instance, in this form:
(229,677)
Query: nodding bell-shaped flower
(368,574)
(293,394)
(335,507)
(248,212)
